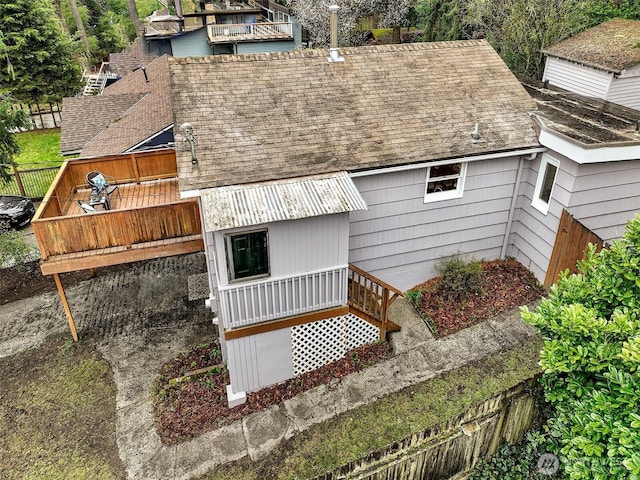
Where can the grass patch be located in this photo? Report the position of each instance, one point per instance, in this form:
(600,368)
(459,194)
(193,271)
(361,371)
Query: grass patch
(57,415)
(39,146)
(354,434)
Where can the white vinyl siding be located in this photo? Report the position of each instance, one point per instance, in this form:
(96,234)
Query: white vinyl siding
(577,78)
(625,91)
(399,238)
(606,196)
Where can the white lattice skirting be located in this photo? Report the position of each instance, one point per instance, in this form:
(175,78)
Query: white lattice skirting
(318,343)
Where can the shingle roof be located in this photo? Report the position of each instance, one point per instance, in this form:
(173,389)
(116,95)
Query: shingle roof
(148,116)
(77,131)
(130,58)
(612,46)
(292,114)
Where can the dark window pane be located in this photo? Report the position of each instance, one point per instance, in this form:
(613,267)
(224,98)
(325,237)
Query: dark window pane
(442,186)
(445,170)
(547,183)
(249,254)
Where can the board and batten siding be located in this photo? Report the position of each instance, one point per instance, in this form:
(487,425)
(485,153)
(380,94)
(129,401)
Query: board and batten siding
(400,238)
(577,78)
(259,360)
(296,247)
(533,233)
(605,196)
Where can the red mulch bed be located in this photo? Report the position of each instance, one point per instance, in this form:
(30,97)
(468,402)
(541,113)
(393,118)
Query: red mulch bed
(193,407)
(188,409)
(507,284)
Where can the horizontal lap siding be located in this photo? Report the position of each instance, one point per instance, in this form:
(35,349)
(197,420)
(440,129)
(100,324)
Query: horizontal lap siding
(606,196)
(625,91)
(577,78)
(533,233)
(399,238)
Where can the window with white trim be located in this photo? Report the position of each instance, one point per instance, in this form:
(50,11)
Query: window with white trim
(545,182)
(445,181)
(247,255)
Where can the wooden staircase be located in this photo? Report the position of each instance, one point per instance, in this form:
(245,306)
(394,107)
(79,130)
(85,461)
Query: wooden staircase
(369,298)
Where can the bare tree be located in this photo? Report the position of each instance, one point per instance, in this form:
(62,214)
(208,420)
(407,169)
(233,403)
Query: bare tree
(133,13)
(80,27)
(313,15)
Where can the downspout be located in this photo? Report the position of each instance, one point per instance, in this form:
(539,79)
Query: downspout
(514,201)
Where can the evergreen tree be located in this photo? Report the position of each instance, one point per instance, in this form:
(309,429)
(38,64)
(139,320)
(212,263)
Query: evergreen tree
(40,54)
(10,121)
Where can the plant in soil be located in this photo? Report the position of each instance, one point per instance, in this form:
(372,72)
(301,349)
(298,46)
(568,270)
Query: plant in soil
(190,391)
(467,293)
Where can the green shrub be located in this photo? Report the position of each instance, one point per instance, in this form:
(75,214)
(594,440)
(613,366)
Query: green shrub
(459,277)
(591,361)
(515,461)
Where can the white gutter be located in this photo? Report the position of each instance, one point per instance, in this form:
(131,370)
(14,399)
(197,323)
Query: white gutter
(474,158)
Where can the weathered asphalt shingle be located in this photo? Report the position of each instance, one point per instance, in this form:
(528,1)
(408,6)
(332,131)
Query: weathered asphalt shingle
(127,113)
(76,128)
(290,114)
(146,117)
(130,58)
(612,46)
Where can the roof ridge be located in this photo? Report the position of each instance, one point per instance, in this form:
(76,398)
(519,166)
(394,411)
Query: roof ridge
(324,52)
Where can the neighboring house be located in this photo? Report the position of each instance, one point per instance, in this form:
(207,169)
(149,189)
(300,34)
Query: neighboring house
(389,160)
(591,169)
(214,28)
(601,62)
(132,115)
(130,59)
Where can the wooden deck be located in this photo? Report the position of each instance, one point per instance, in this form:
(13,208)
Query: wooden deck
(132,195)
(147,218)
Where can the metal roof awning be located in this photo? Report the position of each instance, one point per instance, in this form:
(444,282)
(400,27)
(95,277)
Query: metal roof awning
(259,203)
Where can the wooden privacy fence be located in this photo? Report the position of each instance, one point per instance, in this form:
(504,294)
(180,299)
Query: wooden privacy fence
(572,240)
(452,449)
(29,182)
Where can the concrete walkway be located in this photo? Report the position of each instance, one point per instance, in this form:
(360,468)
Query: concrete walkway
(142,317)
(420,358)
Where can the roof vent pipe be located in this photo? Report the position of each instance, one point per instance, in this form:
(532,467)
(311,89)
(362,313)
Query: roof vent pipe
(334,51)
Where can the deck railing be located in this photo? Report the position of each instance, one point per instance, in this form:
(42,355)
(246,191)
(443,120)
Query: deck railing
(253,30)
(116,228)
(370,297)
(129,230)
(248,304)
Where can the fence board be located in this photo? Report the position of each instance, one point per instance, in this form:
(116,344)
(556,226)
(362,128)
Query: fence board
(572,240)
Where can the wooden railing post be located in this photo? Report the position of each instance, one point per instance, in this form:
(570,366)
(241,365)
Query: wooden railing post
(383,314)
(19,181)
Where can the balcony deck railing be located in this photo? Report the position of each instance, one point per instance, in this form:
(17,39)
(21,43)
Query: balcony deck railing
(249,304)
(262,301)
(139,226)
(248,31)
